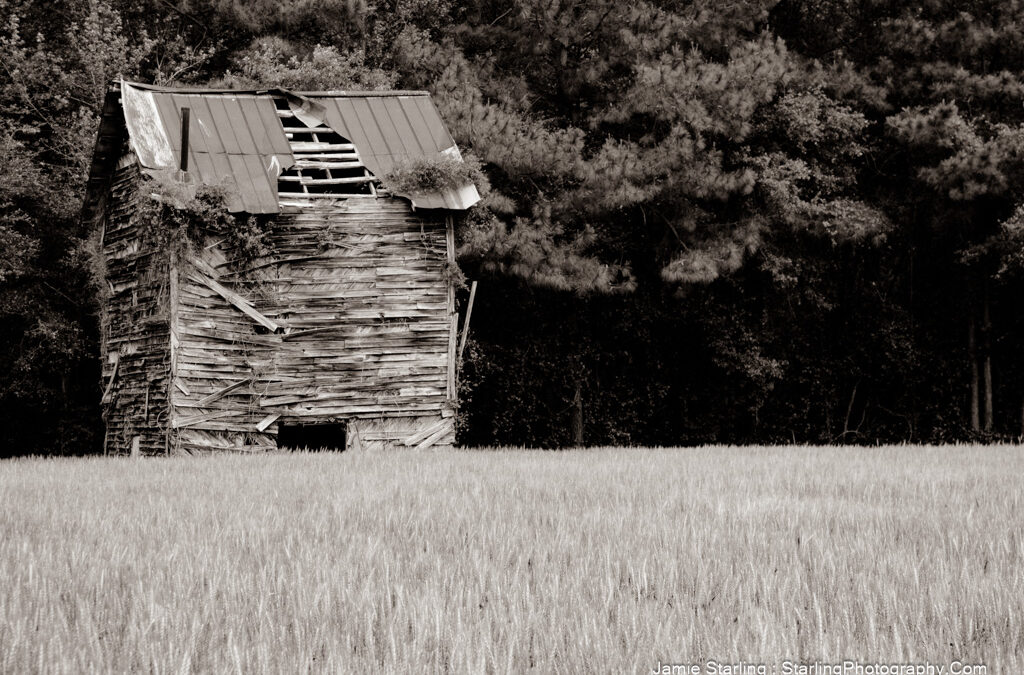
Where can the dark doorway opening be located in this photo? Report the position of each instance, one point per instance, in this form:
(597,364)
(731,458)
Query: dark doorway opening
(311,436)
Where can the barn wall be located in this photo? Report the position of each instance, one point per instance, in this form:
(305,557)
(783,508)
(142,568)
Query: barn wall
(367,329)
(134,324)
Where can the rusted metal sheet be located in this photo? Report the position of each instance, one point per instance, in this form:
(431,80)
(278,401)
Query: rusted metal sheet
(236,138)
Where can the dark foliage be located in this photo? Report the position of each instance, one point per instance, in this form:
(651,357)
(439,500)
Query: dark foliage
(774,221)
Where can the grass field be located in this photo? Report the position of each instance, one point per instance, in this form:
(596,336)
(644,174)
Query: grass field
(607,560)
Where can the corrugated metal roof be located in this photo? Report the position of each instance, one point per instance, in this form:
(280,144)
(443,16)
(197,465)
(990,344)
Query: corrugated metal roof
(235,137)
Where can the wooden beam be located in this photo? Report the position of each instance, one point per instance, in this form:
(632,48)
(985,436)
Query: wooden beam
(171,439)
(465,324)
(238,301)
(267,421)
(453,314)
(321,164)
(314,331)
(110,383)
(312,195)
(308,130)
(206,417)
(314,146)
(220,393)
(327,156)
(435,437)
(324,181)
(422,434)
(352,440)
(287,400)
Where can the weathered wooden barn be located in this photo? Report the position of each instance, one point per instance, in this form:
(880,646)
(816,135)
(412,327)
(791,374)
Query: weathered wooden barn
(344,335)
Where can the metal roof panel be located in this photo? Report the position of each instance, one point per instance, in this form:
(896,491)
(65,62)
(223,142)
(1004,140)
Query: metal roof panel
(265,191)
(272,124)
(373,136)
(239,125)
(147,131)
(247,191)
(249,107)
(337,118)
(172,125)
(204,124)
(391,135)
(236,138)
(223,172)
(428,113)
(202,165)
(410,145)
(420,129)
(224,125)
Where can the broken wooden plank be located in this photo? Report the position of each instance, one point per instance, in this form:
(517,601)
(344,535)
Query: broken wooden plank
(238,301)
(465,324)
(419,436)
(267,421)
(298,335)
(223,392)
(313,146)
(352,441)
(110,383)
(188,421)
(434,438)
(326,164)
(181,386)
(309,130)
(307,156)
(302,195)
(325,181)
(286,400)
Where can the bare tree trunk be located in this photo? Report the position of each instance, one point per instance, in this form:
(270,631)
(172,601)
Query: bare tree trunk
(972,351)
(577,415)
(986,346)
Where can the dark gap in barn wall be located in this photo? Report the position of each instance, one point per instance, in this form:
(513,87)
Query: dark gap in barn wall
(311,437)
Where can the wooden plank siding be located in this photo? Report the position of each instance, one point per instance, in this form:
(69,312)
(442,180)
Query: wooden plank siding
(134,329)
(352,320)
(366,319)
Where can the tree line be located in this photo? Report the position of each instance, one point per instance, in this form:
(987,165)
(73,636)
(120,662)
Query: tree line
(758,221)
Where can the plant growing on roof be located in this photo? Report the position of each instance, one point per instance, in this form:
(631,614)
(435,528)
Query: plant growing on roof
(173,215)
(249,238)
(434,174)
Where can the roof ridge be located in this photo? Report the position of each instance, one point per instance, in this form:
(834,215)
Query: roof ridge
(333,93)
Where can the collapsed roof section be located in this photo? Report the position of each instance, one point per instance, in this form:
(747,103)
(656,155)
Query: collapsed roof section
(275,147)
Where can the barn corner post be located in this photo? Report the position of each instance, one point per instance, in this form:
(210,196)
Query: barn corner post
(453,316)
(173,293)
(172,445)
